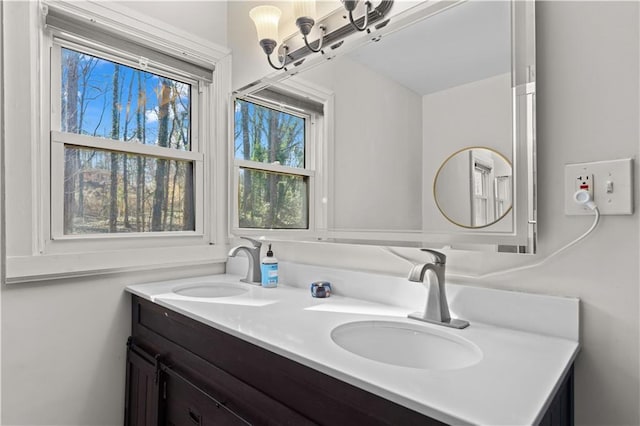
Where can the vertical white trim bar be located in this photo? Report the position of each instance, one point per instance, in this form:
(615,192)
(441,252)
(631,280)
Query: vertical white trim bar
(3,240)
(219,152)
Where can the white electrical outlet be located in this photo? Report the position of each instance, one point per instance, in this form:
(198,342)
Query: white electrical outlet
(584,181)
(609,182)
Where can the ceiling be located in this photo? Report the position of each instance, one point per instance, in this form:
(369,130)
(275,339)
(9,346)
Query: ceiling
(468,42)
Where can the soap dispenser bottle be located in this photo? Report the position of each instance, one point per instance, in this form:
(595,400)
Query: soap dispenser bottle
(269,269)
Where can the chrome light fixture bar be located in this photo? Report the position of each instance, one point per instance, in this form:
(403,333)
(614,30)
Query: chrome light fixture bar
(333,28)
(350,5)
(304,11)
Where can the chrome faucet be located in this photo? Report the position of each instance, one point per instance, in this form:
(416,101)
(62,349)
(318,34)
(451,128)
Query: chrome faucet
(254,275)
(437,309)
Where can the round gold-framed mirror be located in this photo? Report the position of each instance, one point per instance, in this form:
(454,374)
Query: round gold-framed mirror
(473,188)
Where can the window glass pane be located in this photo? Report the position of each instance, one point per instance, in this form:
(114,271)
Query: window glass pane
(109,100)
(115,192)
(272,200)
(268,136)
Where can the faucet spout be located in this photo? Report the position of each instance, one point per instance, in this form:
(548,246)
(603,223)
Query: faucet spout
(254,274)
(432,275)
(416,274)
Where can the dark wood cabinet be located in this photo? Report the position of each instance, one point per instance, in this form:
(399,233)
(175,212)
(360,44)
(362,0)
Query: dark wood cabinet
(142,395)
(183,372)
(560,412)
(187,404)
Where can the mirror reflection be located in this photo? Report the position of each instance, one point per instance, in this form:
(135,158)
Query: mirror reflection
(473,187)
(397,105)
(405,103)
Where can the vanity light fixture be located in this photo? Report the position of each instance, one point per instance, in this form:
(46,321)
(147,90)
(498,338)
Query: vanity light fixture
(350,6)
(304,11)
(266,19)
(332,28)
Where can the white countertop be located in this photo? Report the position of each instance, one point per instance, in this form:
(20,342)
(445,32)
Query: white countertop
(510,385)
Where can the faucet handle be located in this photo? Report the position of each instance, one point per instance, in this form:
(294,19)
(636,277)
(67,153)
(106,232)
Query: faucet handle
(256,243)
(440,257)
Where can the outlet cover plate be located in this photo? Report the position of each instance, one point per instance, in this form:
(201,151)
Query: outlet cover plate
(612,183)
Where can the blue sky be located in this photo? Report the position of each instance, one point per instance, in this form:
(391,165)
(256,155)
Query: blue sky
(99,91)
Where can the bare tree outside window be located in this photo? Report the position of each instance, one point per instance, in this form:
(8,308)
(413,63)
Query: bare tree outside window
(115,192)
(267,199)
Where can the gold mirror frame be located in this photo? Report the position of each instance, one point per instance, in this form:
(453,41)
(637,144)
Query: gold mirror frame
(447,161)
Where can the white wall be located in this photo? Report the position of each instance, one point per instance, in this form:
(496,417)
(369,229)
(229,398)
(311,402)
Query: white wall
(588,91)
(588,109)
(472,114)
(453,191)
(63,348)
(207,19)
(63,342)
(377,172)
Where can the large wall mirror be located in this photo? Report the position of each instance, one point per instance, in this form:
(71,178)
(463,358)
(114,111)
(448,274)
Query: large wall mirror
(432,141)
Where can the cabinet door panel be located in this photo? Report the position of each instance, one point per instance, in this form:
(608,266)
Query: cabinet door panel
(188,405)
(142,401)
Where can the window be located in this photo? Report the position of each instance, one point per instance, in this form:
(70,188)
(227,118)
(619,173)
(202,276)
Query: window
(502,190)
(482,172)
(123,158)
(274,153)
(115,145)
(127,157)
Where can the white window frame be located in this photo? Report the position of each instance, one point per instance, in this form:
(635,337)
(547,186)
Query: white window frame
(318,135)
(54,255)
(481,172)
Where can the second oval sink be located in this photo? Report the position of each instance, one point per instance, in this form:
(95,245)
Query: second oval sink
(406,345)
(210,290)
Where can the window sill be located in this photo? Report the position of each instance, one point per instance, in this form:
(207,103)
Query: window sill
(22,269)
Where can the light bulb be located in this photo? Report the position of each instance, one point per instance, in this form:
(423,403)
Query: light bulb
(304,8)
(266,19)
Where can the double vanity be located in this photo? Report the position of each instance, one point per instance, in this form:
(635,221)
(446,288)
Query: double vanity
(214,350)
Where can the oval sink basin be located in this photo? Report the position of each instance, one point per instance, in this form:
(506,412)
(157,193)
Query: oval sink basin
(406,345)
(210,290)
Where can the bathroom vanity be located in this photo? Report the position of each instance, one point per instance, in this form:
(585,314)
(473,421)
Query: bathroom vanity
(198,373)
(213,350)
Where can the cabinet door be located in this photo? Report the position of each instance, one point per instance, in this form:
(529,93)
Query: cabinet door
(560,411)
(142,400)
(186,404)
